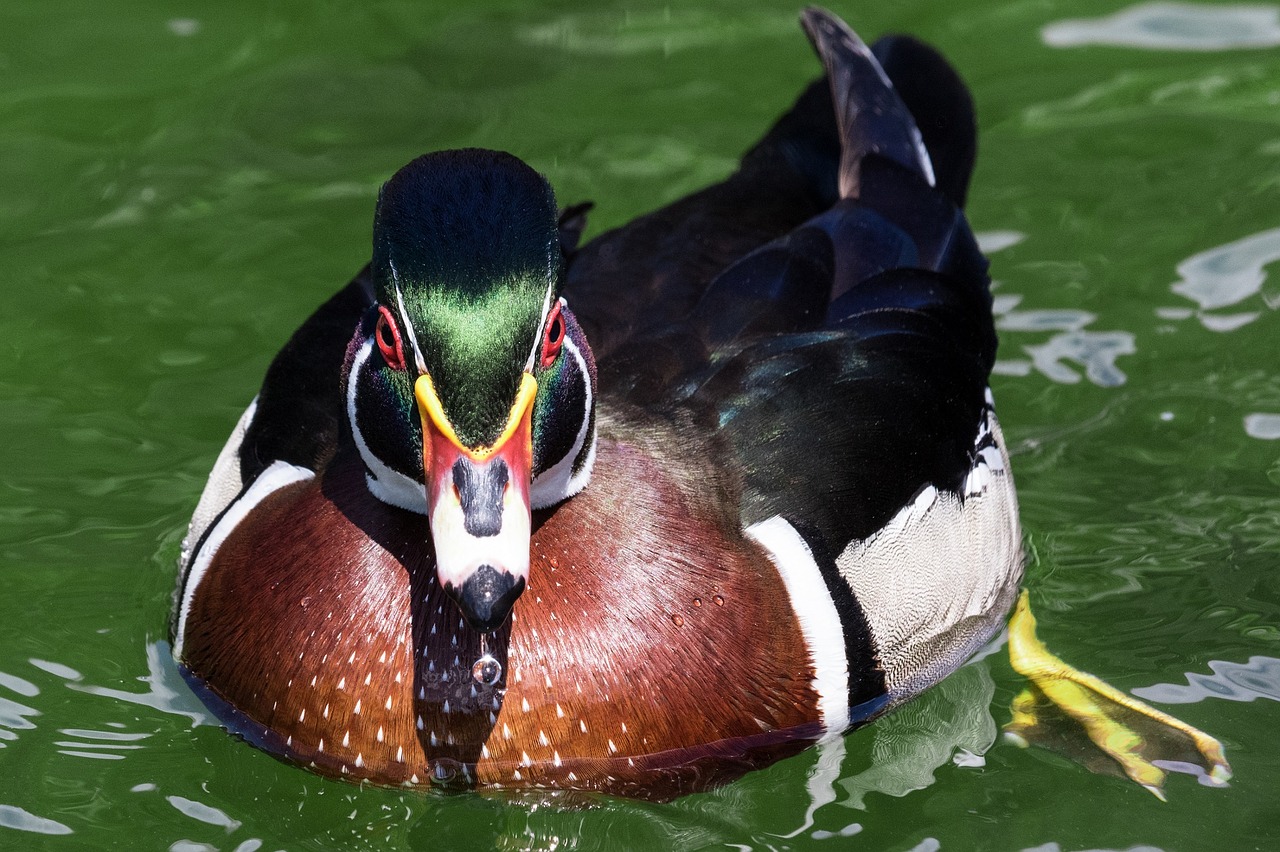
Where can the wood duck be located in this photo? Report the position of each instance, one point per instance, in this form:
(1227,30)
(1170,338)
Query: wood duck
(748,493)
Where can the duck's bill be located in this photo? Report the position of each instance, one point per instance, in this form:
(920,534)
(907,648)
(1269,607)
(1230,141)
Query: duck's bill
(478,504)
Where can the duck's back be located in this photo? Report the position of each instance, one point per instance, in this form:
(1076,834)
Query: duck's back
(826,336)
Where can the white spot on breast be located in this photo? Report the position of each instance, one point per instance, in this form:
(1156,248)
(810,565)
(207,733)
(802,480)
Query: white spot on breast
(399,754)
(357,710)
(303,714)
(359,760)
(346,739)
(582,725)
(613,749)
(379,733)
(542,738)
(342,684)
(320,747)
(555,758)
(524,704)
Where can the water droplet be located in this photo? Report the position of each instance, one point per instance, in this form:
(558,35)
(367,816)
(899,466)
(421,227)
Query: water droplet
(486,670)
(697,602)
(719,601)
(677,619)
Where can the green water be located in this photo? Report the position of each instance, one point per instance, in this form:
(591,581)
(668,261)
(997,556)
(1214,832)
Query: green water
(180,185)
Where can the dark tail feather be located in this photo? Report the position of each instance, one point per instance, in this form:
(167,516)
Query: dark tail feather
(870,116)
(942,107)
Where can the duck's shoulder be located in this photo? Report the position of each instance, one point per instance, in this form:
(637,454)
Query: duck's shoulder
(296,417)
(300,407)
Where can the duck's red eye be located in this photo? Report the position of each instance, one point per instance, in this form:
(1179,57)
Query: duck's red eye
(388,337)
(552,337)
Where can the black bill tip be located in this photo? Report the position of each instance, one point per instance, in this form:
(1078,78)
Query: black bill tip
(486,597)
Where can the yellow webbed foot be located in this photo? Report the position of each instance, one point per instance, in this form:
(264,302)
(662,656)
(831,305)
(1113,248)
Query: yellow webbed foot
(1124,734)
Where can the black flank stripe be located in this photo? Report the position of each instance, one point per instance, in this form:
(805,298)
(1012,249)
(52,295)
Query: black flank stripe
(866,675)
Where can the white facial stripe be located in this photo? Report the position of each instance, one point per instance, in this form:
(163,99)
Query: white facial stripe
(537,338)
(278,475)
(557,482)
(816,612)
(388,485)
(408,327)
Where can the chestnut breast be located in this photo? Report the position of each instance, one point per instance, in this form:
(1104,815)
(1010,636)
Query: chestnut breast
(654,652)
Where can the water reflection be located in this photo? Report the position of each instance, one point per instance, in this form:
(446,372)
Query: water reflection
(24,820)
(1227,275)
(1265,427)
(168,692)
(1055,847)
(1073,343)
(1258,678)
(667,31)
(949,724)
(1094,351)
(1172,26)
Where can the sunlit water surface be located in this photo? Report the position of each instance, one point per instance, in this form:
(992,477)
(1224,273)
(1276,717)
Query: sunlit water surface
(180,185)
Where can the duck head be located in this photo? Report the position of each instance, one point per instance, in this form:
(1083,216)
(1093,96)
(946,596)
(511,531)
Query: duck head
(470,387)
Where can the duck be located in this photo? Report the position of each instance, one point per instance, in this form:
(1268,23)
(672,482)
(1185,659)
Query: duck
(635,516)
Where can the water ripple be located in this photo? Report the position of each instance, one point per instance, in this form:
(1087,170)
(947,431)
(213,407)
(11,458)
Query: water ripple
(1172,26)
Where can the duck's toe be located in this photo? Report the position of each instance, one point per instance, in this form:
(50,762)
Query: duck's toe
(1107,731)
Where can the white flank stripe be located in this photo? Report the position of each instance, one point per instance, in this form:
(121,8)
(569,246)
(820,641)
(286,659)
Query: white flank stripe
(271,480)
(816,612)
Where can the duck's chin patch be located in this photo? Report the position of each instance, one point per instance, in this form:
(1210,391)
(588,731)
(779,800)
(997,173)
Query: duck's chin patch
(568,476)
